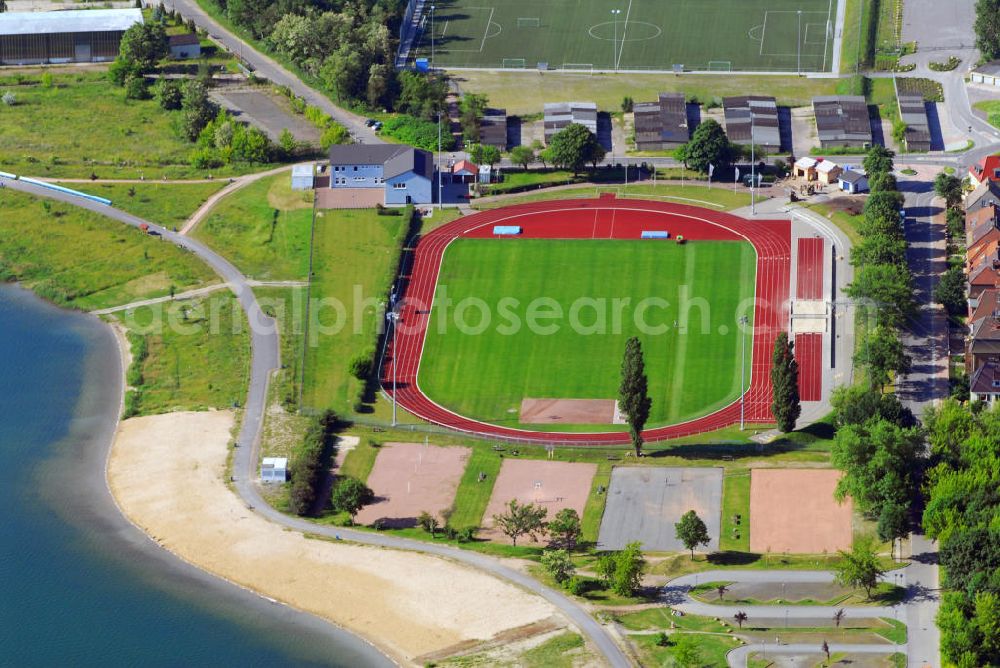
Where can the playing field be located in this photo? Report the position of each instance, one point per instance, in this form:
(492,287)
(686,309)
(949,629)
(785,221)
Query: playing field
(785,35)
(548,319)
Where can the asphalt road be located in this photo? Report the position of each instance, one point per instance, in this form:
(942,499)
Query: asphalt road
(738,657)
(265,360)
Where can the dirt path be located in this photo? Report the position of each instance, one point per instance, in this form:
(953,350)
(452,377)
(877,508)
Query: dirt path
(234,185)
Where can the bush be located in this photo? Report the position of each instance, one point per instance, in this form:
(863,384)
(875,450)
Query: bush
(132,402)
(168,94)
(310,461)
(417,132)
(9,99)
(317,116)
(334,134)
(136,88)
(363,365)
(46,79)
(467,534)
(206,158)
(576,585)
(662,639)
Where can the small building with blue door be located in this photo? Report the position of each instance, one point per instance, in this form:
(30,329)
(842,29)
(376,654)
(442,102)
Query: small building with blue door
(364,175)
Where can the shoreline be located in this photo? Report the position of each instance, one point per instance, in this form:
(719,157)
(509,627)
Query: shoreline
(75,487)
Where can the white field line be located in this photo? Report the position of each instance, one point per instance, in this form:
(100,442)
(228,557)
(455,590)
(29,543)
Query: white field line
(763,31)
(624,31)
(486,32)
(829,29)
(445,29)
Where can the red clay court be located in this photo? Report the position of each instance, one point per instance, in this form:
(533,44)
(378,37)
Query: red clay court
(606,217)
(793,510)
(550,484)
(410,478)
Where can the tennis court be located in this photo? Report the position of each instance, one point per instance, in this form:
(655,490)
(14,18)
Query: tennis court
(592,35)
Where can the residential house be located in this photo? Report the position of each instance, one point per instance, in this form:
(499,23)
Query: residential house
(985,383)
(753,119)
(982,236)
(493,128)
(987,169)
(661,125)
(70,36)
(853,182)
(842,120)
(983,343)
(364,175)
(913,112)
(560,114)
(986,194)
(185,46)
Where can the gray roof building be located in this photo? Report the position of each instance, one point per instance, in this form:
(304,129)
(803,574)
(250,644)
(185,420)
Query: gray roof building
(560,114)
(661,125)
(395,159)
(493,128)
(842,120)
(80,36)
(987,73)
(756,111)
(913,112)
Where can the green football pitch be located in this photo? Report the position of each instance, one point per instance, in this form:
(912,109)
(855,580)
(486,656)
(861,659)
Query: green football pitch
(736,35)
(483,366)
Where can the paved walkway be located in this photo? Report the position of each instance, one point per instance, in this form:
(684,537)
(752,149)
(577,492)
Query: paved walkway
(739,656)
(265,359)
(180,296)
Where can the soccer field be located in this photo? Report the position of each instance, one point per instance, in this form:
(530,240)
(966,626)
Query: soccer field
(736,35)
(483,367)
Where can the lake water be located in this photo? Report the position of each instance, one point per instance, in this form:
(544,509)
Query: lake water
(80,585)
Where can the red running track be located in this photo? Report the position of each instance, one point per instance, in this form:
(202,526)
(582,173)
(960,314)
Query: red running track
(809,269)
(809,354)
(605,218)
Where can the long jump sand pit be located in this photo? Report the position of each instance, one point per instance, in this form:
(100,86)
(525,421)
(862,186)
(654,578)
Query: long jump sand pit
(569,411)
(410,478)
(645,502)
(168,475)
(793,510)
(552,485)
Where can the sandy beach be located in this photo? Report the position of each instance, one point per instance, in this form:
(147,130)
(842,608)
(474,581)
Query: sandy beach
(167,473)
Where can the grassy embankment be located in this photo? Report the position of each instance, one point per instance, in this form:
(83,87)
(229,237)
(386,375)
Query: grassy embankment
(79,259)
(83,125)
(169,204)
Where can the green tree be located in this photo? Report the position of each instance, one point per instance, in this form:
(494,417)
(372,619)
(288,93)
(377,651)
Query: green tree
(565,528)
(521,520)
(310,462)
(691,531)
(686,651)
(198,109)
(335,133)
(740,618)
(422,95)
(987,27)
(287,143)
(428,522)
(350,495)
(893,522)
(627,104)
(889,287)
(950,291)
(633,393)
(785,404)
(471,108)
(558,564)
(882,353)
(250,145)
(144,45)
(629,565)
(522,155)
(605,567)
(168,94)
(857,404)
(574,146)
(878,159)
(949,188)
(883,181)
(860,567)
(708,146)
(484,154)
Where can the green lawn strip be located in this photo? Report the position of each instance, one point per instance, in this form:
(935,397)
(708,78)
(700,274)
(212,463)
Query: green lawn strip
(198,354)
(263,229)
(527,92)
(735,501)
(593,510)
(557,652)
(895,633)
(354,264)
(80,259)
(473,496)
(169,204)
(360,460)
(682,564)
(661,618)
(992,109)
(847,222)
(712,649)
(885,594)
(722,199)
(83,124)
(486,375)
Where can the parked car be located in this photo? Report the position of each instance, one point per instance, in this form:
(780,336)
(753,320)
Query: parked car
(370,122)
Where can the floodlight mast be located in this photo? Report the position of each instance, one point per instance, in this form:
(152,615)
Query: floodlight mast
(432,37)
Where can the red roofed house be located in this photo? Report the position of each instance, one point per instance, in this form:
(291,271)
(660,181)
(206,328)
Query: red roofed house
(983,344)
(464,172)
(986,169)
(982,236)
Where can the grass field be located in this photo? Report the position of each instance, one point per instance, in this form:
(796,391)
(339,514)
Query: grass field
(83,124)
(80,259)
(735,501)
(263,229)
(198,354)
(486,375)
(169,204)
(722,35)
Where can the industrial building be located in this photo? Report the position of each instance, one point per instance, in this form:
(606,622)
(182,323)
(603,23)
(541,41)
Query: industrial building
(493,128)
(661,125)
(72,36)
(755,113)
(560,114)
(842,120)
(913,112)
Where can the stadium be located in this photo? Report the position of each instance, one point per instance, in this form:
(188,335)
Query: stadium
(513,321)
(635,35)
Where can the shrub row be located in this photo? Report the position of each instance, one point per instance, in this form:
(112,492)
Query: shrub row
(310,462)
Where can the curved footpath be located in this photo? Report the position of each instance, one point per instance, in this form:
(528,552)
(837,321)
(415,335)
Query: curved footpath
(738,657)
(264,361)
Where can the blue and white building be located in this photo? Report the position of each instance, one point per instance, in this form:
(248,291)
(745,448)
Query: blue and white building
(363,175)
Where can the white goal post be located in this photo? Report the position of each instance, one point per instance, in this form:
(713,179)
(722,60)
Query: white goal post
(720,66)
(514,63)
(529,22)
(581,68)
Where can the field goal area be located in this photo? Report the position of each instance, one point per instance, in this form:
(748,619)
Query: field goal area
(812,29)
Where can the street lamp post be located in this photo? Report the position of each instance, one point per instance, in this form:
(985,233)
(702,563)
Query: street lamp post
(743,372)
(432,37)
(753,177)
(614,42)
(440,175)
